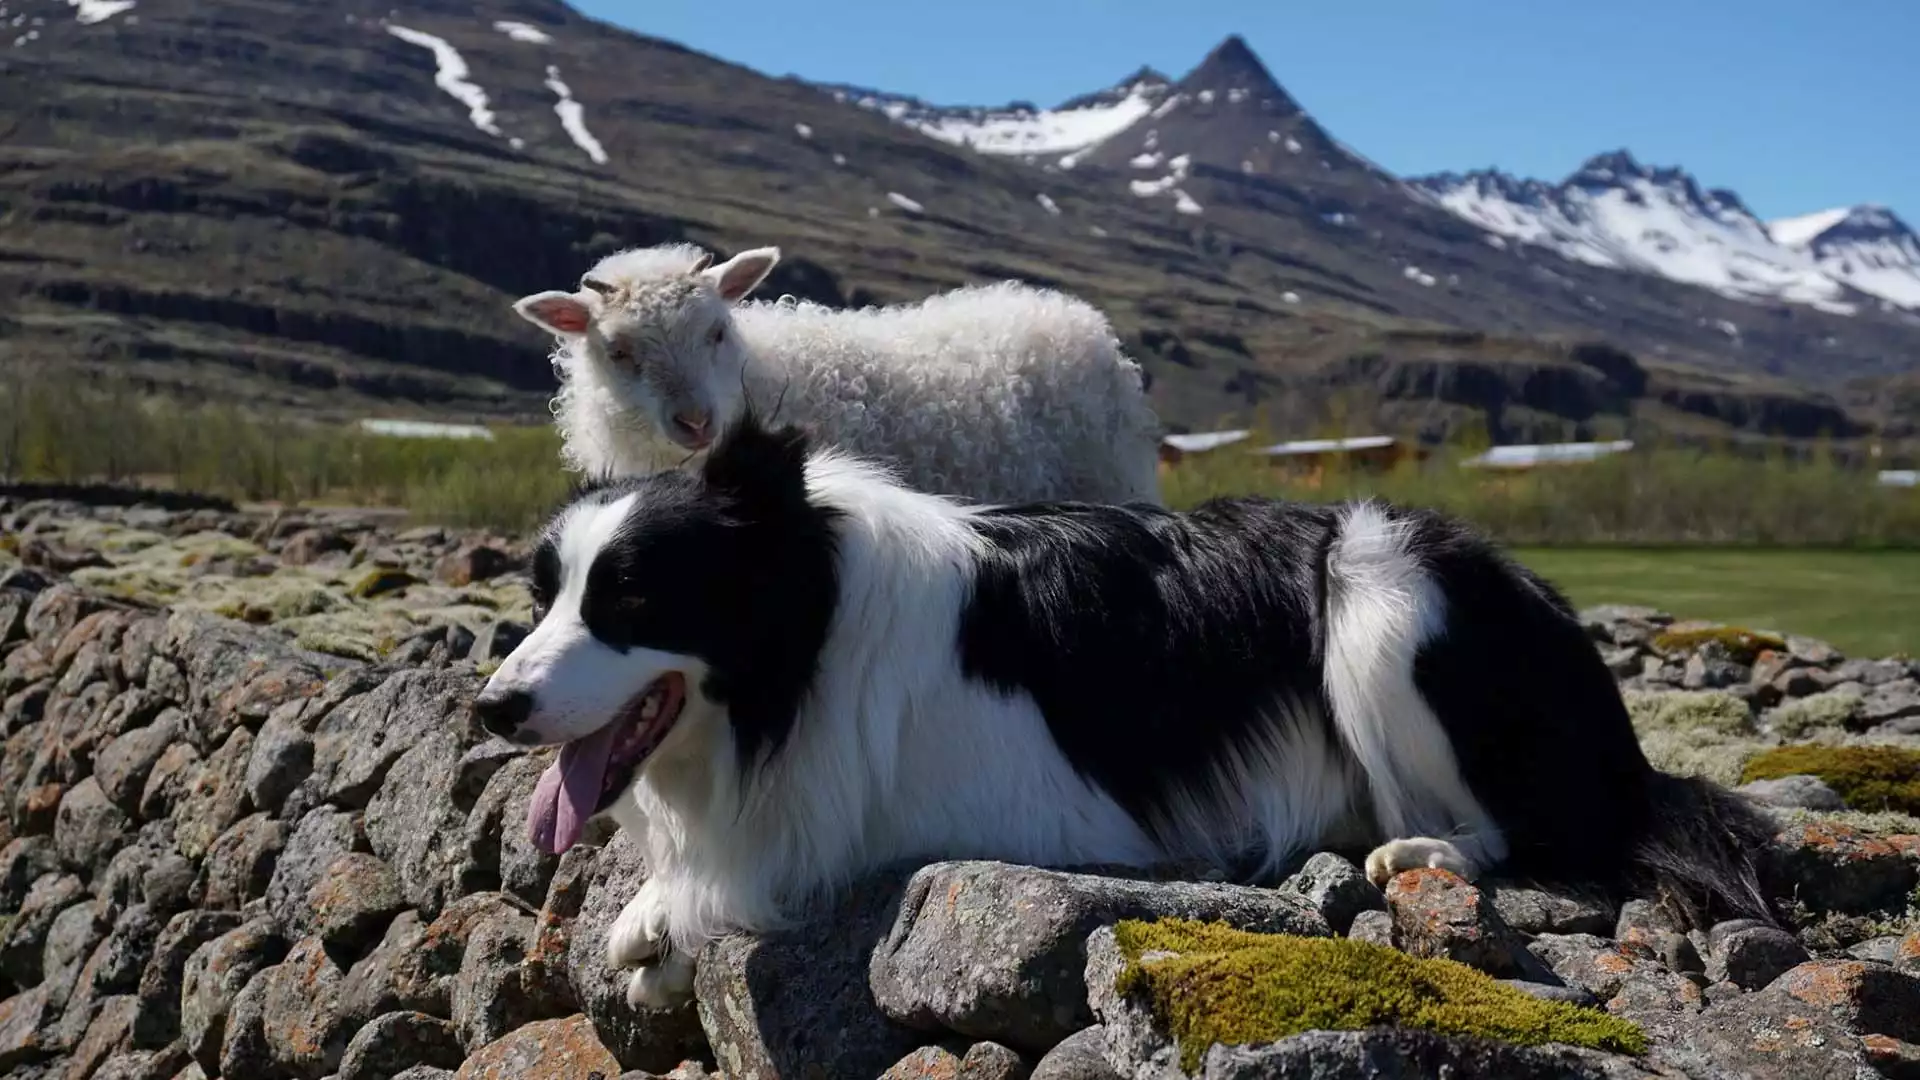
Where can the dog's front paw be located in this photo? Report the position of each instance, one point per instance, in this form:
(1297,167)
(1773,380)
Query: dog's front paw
(663,985)
(640,933)
(1416,853)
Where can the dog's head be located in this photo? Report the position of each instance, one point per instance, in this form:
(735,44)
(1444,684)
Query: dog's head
(659,321)
(662,605)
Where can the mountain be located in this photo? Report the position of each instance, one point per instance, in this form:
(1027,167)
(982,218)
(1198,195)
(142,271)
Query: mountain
(332,209)
(1866,247)
(1615,212)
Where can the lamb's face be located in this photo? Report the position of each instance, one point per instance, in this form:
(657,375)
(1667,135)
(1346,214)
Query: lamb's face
(667,344)
(673,344)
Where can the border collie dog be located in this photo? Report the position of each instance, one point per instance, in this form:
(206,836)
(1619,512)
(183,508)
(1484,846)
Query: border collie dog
(788,668)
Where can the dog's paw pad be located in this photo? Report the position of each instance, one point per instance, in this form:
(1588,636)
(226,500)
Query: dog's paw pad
(640,931)
(1416,853)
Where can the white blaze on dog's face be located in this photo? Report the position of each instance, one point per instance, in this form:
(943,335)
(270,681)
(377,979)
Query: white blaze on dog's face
(669,342)
(583,678)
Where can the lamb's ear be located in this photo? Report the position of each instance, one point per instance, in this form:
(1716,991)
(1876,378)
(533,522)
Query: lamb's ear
(557,312)
(737,276)
(761,466)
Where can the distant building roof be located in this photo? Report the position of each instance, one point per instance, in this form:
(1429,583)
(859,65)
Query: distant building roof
(1900,477)
(1520,457)
(1322,446)
(424,429)
(1198,441)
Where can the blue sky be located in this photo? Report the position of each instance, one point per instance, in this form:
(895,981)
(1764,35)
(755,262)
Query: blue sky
(1797,106)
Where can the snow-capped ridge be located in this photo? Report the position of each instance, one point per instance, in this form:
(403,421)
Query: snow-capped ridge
(1019,128)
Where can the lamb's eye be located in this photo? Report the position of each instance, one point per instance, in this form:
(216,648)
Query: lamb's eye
(718,333)
(620,352)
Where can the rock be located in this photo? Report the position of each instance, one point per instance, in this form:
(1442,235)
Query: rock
(308,545)
(497,640)
(157,1021)
(358,741)
(240,864)
(545,968)
(168,781)
(424,975)
(1765,1035)
(237,675)
(321,837)
(472,563)
(1080,1056)
(1806,792)
(425,1072)
(1703,672)
(658,1039)
(1833,867)
(157,1064)
(23,943)
(391,1044)
(373,983)
(490,997)
(548,1050)
(1001,954)
(213,978)
(244,1051)
(282,759)
(1536,911)
(88,829)
(306,1025)
(22,862)
(170,884)
(71,942)
(1572,995)
(1751,956)
(124,764)
(1336,888)
(21,1016)
(1592,963)
(1372,926)
(1437,914)
(926,1063)
(417,820)
(991,1061)
(352,903)
(1871,673)
(497,841)
(38,809)
(1865,998)
(1412,1054)
(215,798)
(106,1035)
(112,969)
(1891,702)
(1906,955)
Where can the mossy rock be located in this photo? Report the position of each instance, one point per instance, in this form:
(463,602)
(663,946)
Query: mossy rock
(1688,710)
(1868,778)
(1210,983)
(1827,709)
(381,582)
(1742,645)
(337,645)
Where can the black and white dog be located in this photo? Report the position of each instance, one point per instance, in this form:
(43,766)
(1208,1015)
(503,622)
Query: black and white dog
(788,668)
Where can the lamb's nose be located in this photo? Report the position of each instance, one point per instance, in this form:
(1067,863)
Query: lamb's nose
(502,713)
(694,424)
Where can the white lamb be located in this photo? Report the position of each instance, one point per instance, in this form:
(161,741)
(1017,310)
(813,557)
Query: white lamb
(997,393)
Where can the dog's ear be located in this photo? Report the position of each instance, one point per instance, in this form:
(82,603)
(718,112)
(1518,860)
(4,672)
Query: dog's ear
(759,465)
(561,313)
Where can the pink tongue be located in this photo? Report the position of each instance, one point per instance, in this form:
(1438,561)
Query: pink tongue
(569,791)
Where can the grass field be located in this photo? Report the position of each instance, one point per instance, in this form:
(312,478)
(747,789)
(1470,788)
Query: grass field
(1867,603)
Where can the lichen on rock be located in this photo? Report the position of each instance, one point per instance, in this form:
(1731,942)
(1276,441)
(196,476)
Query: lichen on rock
(1212,984)
(1868,778)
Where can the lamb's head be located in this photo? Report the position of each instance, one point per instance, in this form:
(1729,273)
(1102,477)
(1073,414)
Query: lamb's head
(658,325)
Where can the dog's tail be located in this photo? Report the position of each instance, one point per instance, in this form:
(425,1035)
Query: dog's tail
(1701,851)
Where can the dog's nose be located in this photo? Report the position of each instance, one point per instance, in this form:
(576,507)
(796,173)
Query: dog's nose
(502,713)
(694,424)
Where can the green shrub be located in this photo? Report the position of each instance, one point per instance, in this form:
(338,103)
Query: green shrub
(1868,778)
(1212,984)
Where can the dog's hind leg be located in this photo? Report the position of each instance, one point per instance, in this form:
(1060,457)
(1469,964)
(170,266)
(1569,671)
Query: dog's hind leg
(1382,608)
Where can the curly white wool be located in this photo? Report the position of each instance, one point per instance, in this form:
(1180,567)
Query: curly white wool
(995,393)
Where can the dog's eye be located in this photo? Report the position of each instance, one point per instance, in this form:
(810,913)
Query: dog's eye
(718,333)
(630,605)
(620,352)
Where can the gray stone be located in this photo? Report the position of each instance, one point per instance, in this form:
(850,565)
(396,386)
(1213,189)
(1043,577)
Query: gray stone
(1572,995)
(423,975)
(1768,1034)
(1080,1056)
(373,983)
(352,903)
(170,883)
(244,1051)
(168,781)
(124,764)
(71,941)
(321,837)
(1871,673)
(1537,911)
(282,758)
(1001,954)
(157,1023)
(240,864)
(398,1042)
(490,997)
(1438,914)
(213,979)
(1336,888)
(497,841)
(306,1023)
(1750,957)
(215,798)
(357,742)
(497,640)
(105,1035)
(112,969)
(238,675)
(24,861)
(1831,867)
(650,1039)
(417,819)
(1890,702)
(1806,792)
(23,938)
(1375,927)
(1880,950)
(163,1063)
(88,829)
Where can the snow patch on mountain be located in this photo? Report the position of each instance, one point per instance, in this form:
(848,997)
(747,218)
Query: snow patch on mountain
(1867,247)
(88,12)
(1614,212)
(526,32)
(452,75)
(1020,130)
(573,117)
(1797,231)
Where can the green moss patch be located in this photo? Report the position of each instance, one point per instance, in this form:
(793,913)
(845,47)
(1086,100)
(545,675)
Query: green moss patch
(382,582)
(1869,778)
(1212,984)
(1741,645)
